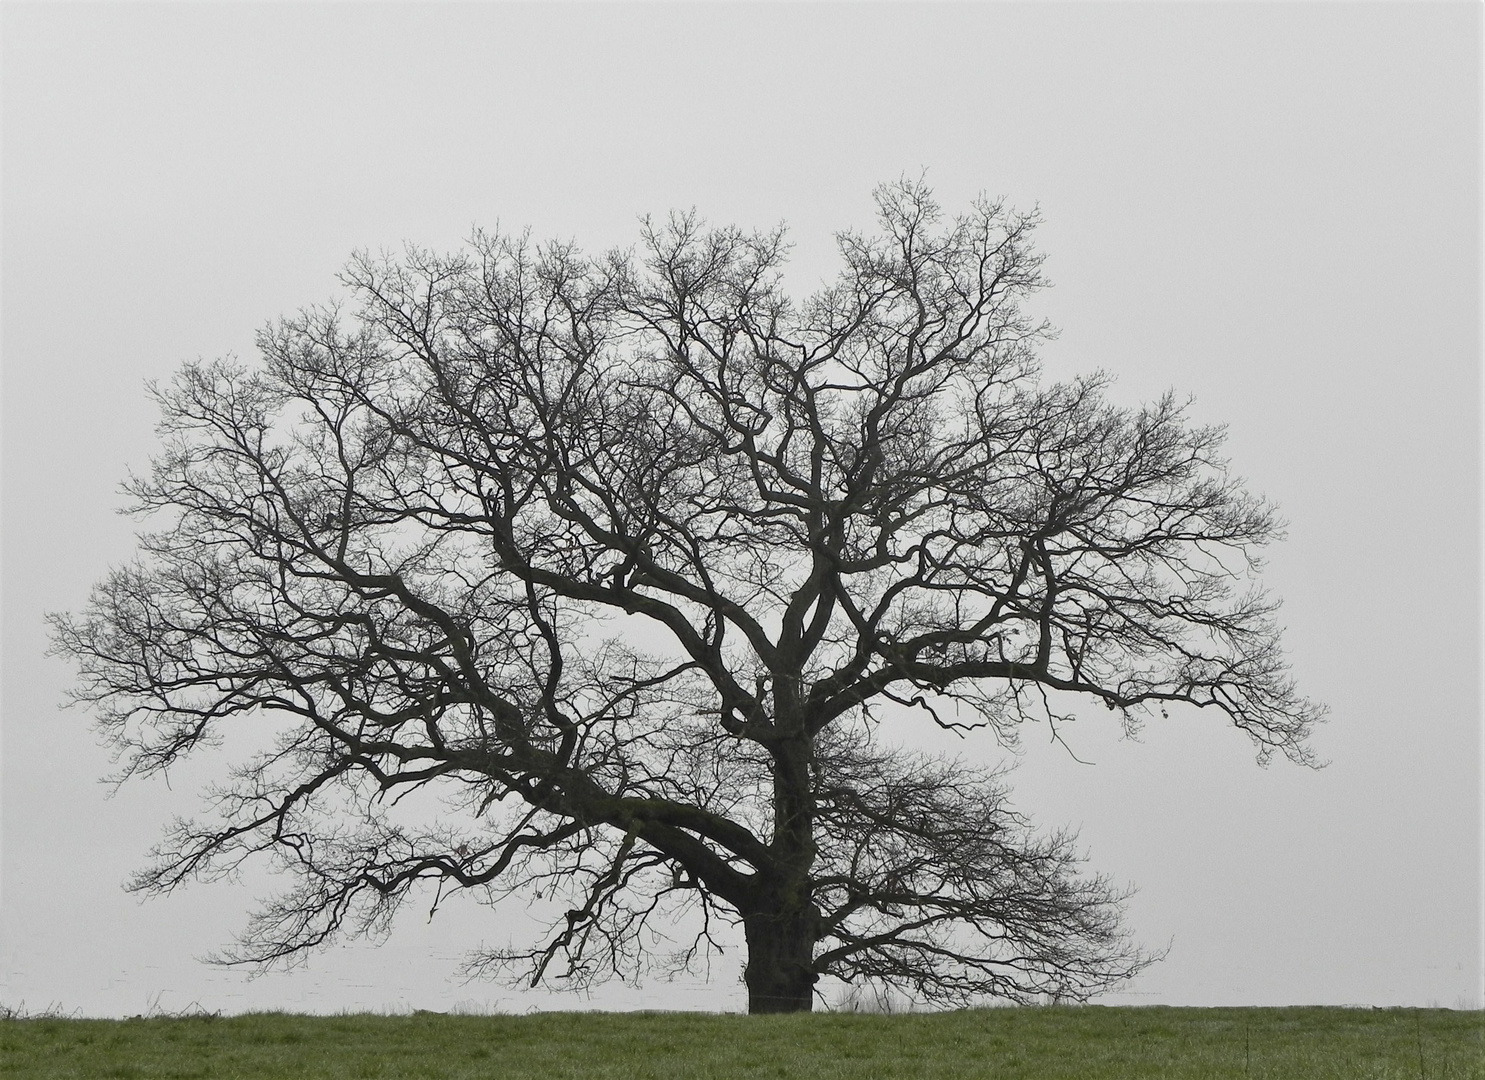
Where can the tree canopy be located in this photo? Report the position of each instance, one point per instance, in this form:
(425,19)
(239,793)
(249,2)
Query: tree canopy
(624,559)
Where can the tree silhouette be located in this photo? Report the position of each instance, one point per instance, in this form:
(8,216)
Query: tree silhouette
(626,558)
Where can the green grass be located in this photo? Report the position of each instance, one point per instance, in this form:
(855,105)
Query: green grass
(1088,1043)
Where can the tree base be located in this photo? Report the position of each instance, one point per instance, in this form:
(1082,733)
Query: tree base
(780,975)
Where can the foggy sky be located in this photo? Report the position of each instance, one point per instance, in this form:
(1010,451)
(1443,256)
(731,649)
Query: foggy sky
(1273,209)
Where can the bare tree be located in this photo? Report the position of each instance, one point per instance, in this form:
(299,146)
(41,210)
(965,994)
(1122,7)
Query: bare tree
(628,557)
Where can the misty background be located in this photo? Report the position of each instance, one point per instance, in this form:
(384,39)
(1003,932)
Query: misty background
(1275,209)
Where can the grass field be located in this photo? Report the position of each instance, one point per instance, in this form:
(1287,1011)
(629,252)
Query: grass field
(1089,1043)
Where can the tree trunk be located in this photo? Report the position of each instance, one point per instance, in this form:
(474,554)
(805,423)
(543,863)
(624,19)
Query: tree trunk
(780,975)
(783,923)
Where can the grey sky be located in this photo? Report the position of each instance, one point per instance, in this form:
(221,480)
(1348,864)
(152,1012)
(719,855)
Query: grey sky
(1275,209)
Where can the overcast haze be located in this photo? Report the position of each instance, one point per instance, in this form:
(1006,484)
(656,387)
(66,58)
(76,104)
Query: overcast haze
(1274,209)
